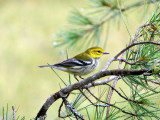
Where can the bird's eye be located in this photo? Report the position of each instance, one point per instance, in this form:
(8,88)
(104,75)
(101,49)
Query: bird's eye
(99,51)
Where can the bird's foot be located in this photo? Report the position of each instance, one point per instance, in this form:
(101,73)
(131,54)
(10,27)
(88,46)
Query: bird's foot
(81,77)
(75,76)
(92,83)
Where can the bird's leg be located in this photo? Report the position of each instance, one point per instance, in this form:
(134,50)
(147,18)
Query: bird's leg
(92,83)
(75,76)
(81,77)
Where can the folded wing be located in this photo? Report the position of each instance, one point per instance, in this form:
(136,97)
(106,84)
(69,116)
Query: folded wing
(73,62)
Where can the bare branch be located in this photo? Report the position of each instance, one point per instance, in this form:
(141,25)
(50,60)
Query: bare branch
(123,10)
(122,51)
(114,85)
(59,111)
(121,94)
(136,35)
(14,113)
(72,109)
(92,78)
(97,105)
(144,42)
(103,82)
(111,104)
(82,83)
(109,97)
(158,83)
(152,35)
(90,81)
(123,60)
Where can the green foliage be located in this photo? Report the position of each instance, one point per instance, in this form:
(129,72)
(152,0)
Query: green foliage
(86,26)
(7,115)
(156,67)
(87,29)
(145,56)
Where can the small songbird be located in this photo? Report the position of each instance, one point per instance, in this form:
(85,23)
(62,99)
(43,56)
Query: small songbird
(82,64)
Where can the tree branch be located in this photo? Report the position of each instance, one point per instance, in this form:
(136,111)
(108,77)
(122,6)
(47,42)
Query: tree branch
(121,94)
(155,82)
(59,111)
(110,96)
(97,105)
(112,105)
(14,113)
(122,51)
(72,109)
(135,63)
(123,10)
(136,34)
(114,85)
(103,82)
(80,84)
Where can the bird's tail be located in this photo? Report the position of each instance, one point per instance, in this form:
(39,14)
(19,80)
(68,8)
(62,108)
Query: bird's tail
(46,66)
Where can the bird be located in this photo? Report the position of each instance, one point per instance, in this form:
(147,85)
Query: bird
(81,64)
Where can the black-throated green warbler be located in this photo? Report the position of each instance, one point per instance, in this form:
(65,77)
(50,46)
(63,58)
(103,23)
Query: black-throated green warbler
(82,64)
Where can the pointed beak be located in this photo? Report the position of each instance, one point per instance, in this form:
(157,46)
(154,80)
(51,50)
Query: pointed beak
(105,53)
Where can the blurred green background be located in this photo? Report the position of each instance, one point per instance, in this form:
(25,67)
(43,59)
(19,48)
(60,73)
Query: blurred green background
(26,41)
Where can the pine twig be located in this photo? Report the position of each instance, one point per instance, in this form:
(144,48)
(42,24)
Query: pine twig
(109,97)
(123,60)
(59,111)
(121,94)
(158,83)
(14,113)
(123,10)
(72,109)
(131,45)
(97,105)
(103,82)
(142,26)
(111,104)
(114,85)
(82,83)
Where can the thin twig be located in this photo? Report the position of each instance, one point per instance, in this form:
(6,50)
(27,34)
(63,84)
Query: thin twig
(109,97)
(103,82)
(123,10)
(136,34)
(110,104)
(123,60)
(97,105)
(116,58)
(137,43)
(80,84)
(152,34)
(14,113)
(114,85)
(121,94)
(122,51)
(72,109)
(59,111)
(92,78)
(158,83)
(125,49)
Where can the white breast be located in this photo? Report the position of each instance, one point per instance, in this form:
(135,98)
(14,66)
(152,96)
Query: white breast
(91,67)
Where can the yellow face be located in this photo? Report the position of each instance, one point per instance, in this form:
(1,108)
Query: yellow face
(96,52)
